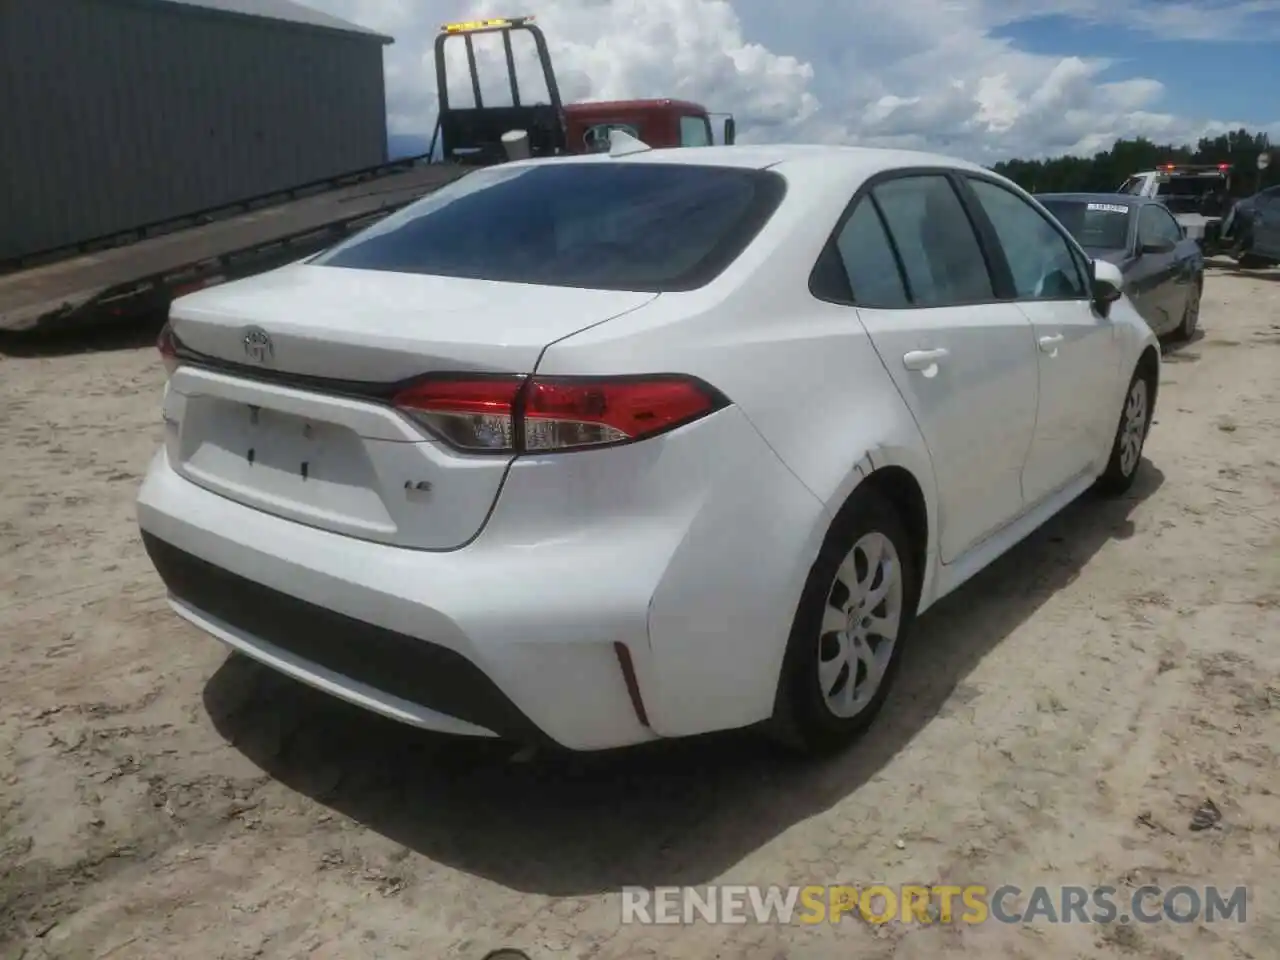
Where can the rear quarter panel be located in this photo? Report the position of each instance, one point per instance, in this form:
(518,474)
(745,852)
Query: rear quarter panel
(804,373)
(824,414)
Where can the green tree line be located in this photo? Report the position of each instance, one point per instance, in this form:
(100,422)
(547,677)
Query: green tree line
(1104,172)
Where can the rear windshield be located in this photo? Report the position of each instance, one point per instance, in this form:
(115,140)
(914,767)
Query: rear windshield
(1095,225)
(615,226)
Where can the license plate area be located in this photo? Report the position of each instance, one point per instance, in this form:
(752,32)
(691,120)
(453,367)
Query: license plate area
(283,442)
(303,468)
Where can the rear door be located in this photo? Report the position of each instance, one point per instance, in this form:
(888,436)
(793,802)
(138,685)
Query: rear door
(1078,362)
(964,364)
(1186,257)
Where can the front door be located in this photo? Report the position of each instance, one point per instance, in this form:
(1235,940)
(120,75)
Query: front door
(964,363)
(1074,344)
(1159,269)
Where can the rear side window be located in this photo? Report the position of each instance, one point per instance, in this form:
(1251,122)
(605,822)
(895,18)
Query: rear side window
(615,226)
(932,233)
(868,260)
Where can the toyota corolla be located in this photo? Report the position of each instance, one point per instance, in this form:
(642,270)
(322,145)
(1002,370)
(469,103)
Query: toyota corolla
(595,451)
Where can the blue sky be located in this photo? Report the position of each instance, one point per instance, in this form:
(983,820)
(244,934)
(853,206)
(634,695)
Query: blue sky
(983,79)
(1209,78)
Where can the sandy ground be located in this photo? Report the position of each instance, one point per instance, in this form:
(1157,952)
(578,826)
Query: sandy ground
(1058,721)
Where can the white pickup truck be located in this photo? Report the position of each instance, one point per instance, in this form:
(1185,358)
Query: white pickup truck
(1197,196)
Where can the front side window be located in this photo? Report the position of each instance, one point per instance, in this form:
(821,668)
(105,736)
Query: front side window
(1170,229)
(1156,225)
(939,250)
(649,227)
(695,132)
(1039,257)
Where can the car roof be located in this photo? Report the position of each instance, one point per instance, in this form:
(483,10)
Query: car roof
(815,158)
(1118,199)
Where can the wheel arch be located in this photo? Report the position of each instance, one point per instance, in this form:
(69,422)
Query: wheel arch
(910,496)
(904,477)
(900,488)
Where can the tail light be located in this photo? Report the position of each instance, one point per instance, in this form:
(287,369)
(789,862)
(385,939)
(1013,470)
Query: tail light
(547,414)
(167,344)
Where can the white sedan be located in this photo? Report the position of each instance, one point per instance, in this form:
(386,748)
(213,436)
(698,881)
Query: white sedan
(595,451)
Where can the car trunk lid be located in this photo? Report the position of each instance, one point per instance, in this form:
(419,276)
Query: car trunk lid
(284,399)
(377,326)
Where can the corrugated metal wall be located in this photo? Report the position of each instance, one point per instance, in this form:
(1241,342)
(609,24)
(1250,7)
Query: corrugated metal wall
(114,113)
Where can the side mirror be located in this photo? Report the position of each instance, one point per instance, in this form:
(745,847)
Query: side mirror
(1157,246)
(1107,283)
(730,131)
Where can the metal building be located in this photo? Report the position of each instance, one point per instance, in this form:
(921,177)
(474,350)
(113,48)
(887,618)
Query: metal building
(118,113)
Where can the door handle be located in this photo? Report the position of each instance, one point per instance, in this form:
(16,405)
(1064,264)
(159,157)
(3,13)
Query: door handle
(924,359)
(1050,344)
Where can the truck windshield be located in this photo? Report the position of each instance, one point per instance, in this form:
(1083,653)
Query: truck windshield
(1098,227)
(1193,193)
(649,227)
(1190,186)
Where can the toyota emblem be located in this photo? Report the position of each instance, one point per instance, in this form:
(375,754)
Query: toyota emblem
(257,345)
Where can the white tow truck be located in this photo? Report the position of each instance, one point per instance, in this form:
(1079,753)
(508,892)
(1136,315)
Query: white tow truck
(1197,195)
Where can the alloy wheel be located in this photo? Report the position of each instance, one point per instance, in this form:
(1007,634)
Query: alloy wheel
(1134,431)
(860,625)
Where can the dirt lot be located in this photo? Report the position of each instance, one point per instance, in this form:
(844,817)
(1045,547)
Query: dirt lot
(1060,720)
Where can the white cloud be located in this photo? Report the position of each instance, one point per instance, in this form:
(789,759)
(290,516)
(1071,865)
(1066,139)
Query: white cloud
(918,73)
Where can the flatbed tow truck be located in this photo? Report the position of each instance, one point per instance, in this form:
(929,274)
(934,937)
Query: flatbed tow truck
(1198,196)
(142,269)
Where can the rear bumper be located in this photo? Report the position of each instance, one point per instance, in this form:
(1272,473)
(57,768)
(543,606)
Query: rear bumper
(691,552)
(435,686)
(429,639)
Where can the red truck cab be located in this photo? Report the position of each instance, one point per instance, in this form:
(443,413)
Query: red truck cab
(659,123)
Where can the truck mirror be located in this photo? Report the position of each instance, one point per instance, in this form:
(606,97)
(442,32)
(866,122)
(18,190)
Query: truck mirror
(730,131)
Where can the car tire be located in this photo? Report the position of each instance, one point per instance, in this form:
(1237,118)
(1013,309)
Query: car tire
(1190,314)
(823,706)
(1131,436)
(1249,261)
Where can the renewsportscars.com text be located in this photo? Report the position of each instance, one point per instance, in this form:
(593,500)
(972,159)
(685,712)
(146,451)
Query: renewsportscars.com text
(971,904)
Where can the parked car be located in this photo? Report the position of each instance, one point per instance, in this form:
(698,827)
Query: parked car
(1163,268)
(1251,231)
(595,451)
